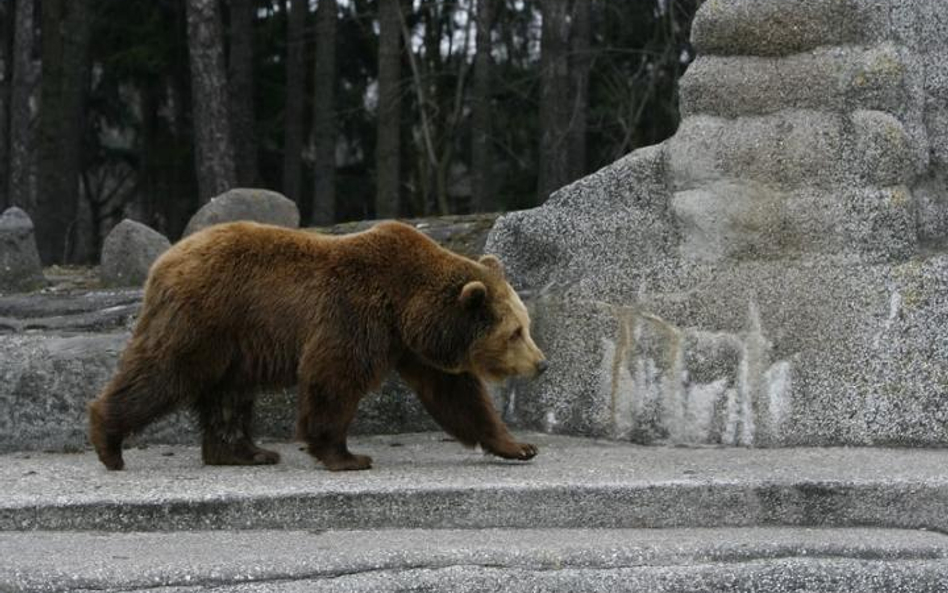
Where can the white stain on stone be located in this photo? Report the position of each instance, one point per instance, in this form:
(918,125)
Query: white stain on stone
(731,417)
(777,379)
(646,370)
(699,410)
(895,305)
(549,424)
(623,403)
(510,410)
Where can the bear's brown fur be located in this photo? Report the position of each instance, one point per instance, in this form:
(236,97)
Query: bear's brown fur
(241,306)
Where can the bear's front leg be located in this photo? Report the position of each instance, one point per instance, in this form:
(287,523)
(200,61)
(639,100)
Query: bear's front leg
(323,423)
(461,405)
(335,371)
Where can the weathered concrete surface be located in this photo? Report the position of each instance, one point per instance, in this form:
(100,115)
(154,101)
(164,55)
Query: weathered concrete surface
(64,304)
(785,559)
(813,576)
(128,252)
(421,481)
(777,272)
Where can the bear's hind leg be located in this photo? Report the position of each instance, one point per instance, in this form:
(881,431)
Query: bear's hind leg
(133,399)
(226,419)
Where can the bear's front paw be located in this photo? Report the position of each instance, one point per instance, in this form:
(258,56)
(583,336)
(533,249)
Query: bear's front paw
(512,450)
(341,463)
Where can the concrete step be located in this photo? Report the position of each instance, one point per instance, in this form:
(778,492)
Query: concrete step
(707,560)
(420,481)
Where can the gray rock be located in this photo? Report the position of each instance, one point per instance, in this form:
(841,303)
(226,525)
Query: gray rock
(791,149)
(778,28)
(829,77)
(128,252)
(46,382)
(258,205)
(20,267)
(786,279)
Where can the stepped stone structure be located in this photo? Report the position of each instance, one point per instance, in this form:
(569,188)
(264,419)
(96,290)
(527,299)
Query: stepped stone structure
(777,272)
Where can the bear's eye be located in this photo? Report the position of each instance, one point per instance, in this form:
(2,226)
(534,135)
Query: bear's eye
(518,333)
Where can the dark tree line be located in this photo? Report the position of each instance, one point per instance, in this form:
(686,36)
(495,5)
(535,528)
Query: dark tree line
(353,108)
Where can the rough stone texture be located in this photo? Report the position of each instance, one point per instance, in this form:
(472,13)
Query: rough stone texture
(128,252)
(778,28)
(706,560)
(46,382)
(421,481)
(779,576)
(258,205)
(462,233)
(20,267)
(774,274)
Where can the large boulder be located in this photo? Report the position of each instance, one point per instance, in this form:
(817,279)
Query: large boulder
(257,205)
(20,267)
(128,252)
(777,272)
(47,380)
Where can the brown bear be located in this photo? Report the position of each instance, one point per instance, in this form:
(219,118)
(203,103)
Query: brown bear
(241,306)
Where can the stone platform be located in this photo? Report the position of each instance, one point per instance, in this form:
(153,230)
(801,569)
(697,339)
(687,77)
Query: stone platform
(585,515)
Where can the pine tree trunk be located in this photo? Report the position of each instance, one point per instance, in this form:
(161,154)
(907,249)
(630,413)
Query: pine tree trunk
(324,116)
(293,111)
(182,196)
(241,89)
(388,145)
(579,64)
(6,44)
(554,167)
(213,147)
(481,157)
(21,138)
(147,196)
(66,29)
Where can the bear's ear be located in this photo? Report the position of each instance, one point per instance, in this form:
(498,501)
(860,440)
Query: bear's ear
(473,294)
(491,262)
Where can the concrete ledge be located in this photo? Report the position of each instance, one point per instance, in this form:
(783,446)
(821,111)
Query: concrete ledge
(487,560)
(419,481)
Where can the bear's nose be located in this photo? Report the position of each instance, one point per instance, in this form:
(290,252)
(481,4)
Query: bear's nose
(542,366)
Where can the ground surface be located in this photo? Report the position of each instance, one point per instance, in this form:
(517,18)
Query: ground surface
(583,516)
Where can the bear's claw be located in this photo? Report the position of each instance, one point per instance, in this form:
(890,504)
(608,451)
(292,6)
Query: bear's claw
(519,451)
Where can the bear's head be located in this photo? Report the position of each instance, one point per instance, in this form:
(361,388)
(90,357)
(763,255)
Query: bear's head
(478,326)
(506,348)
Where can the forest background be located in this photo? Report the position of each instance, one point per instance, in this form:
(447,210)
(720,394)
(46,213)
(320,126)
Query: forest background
(355,109)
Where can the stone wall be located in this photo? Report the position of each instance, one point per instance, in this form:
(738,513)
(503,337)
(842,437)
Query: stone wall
(774,274)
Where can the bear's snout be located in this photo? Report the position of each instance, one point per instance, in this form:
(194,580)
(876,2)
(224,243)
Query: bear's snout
(541,367)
